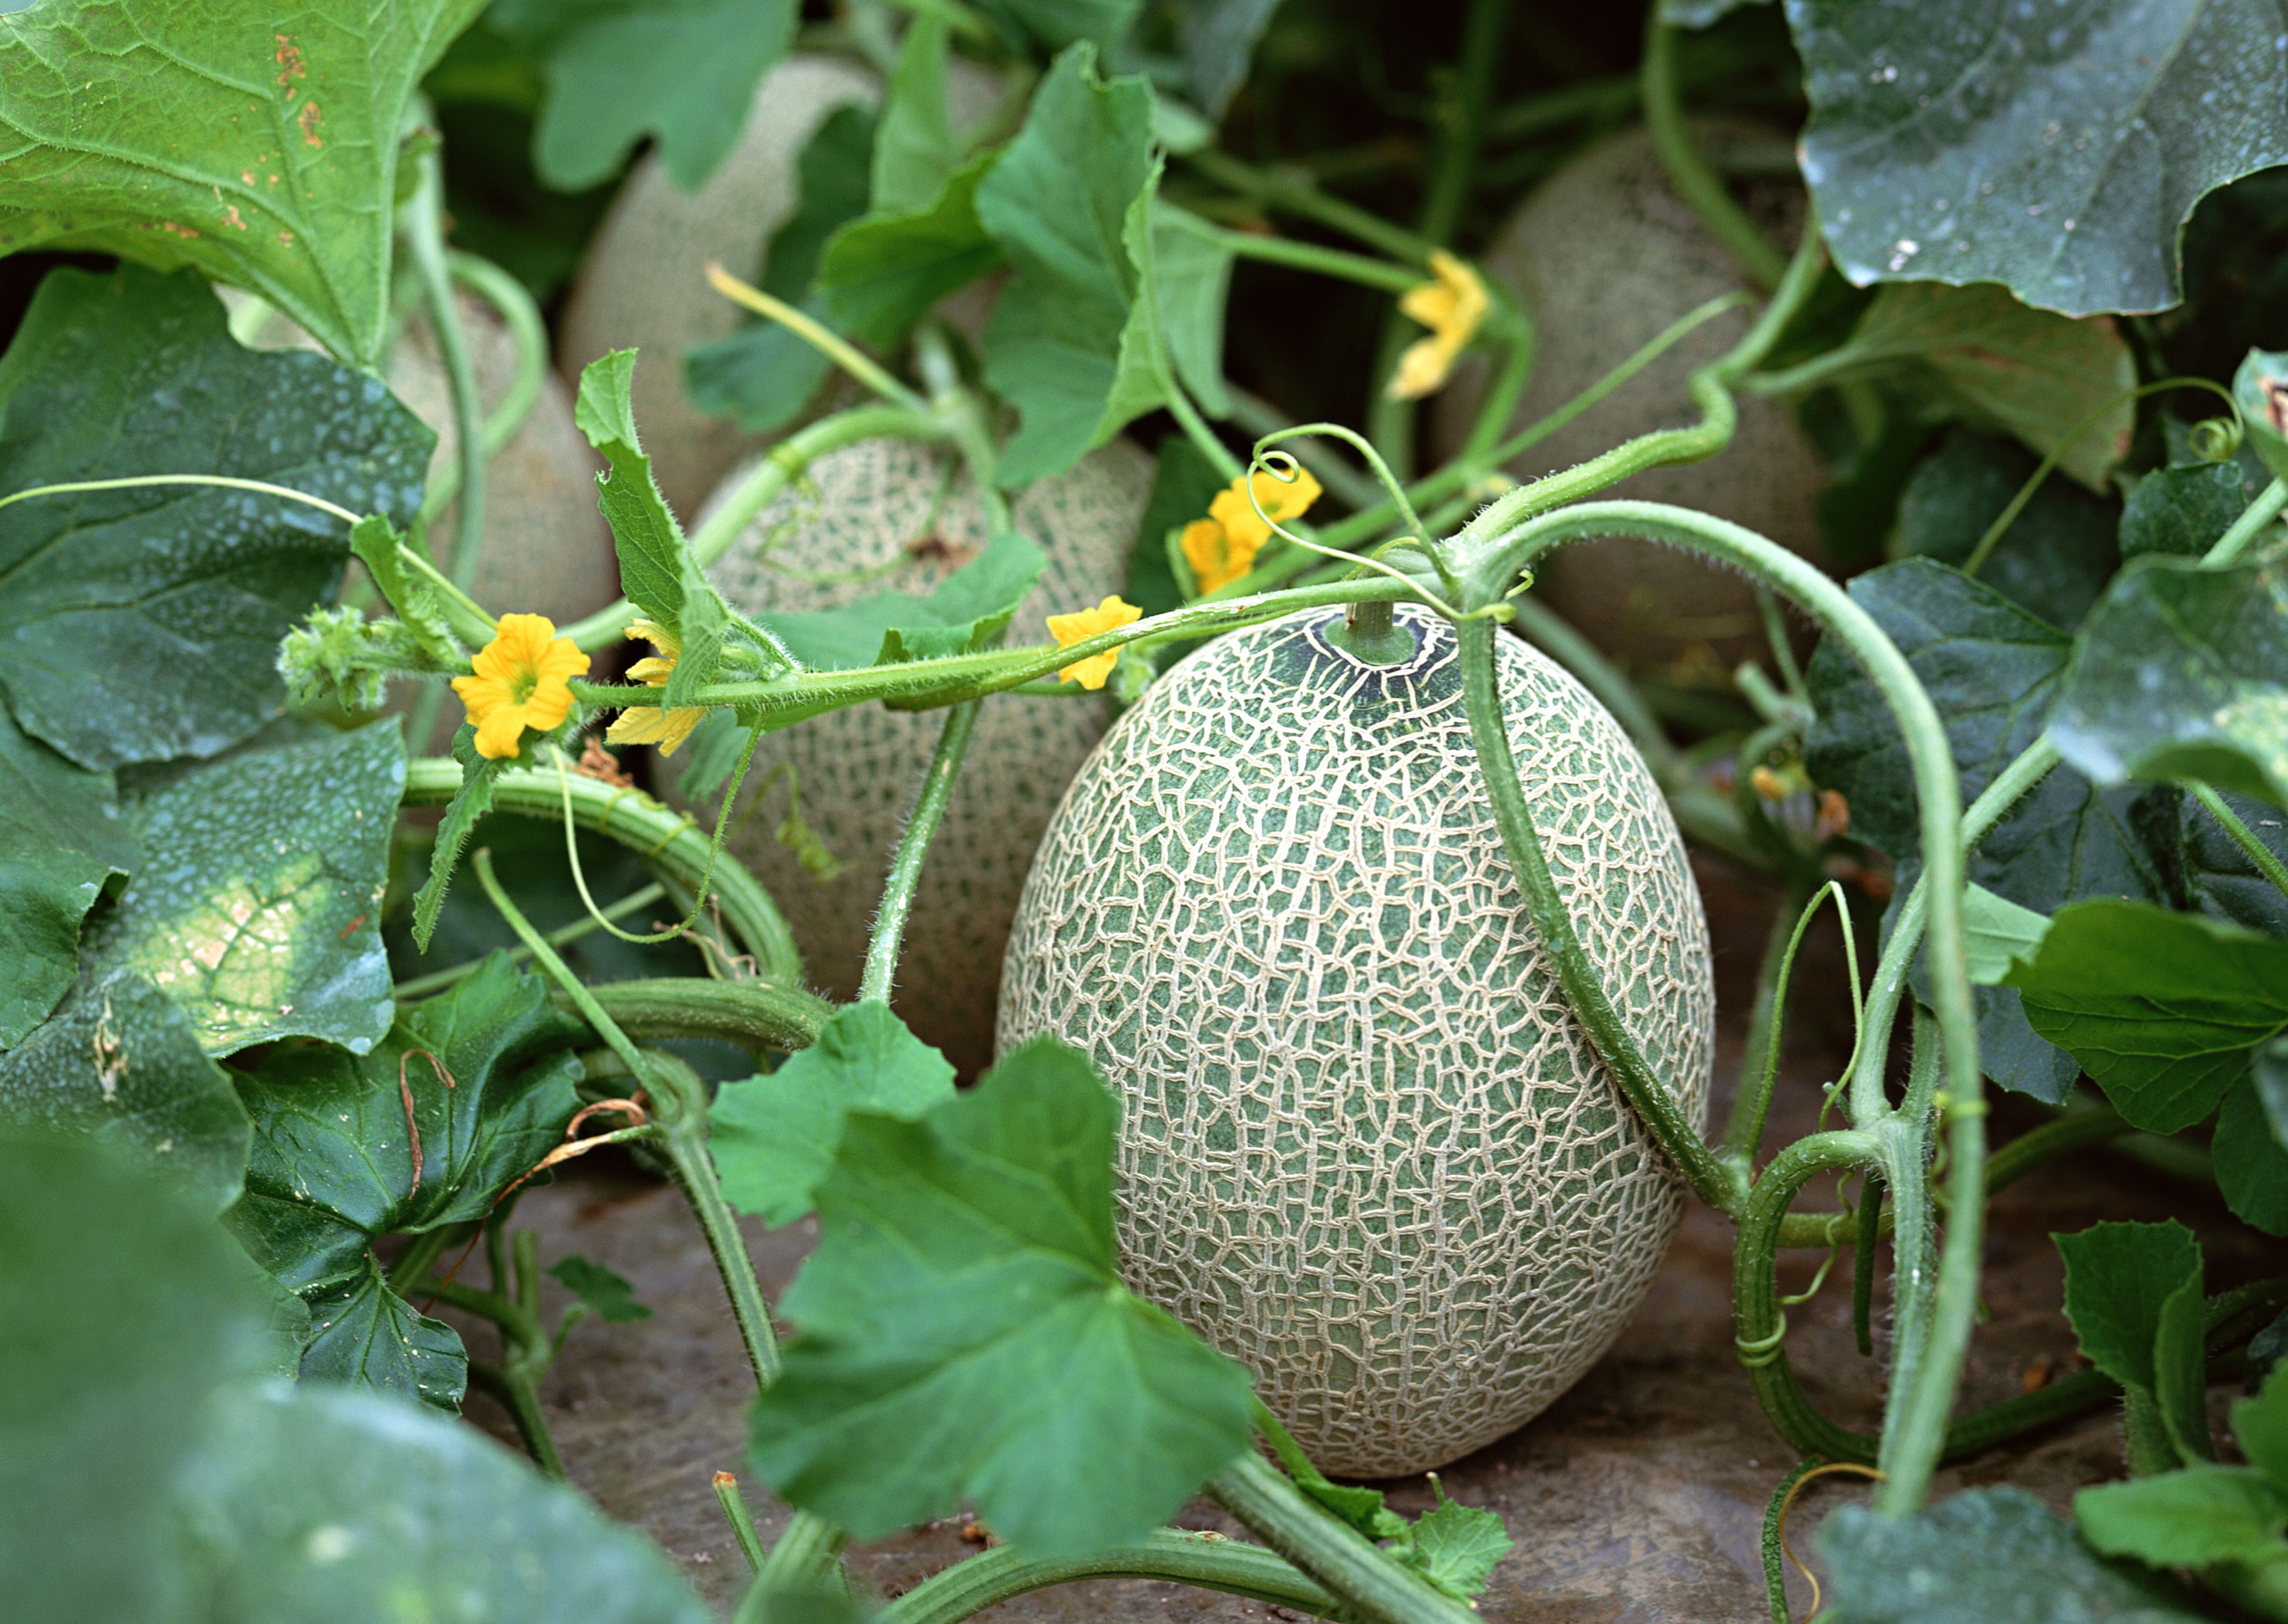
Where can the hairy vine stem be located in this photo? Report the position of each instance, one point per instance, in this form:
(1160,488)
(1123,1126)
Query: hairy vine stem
(1364,1578)
(913,851)
(1205,1560)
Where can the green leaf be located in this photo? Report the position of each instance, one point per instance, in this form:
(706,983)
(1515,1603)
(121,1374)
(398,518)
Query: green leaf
(1995,931)
(2059,154)
(1457,1545)
(376,541)
(2219,877)
(62,844)
(970,609)
(2182,672)
(1191,267)
(2056,556)
(2251,1167)
(121,1064)
(774,1137)
(682,71)
(2029,372)
(1051,25)
(1058,204)
(1216,38)
(1988,1554)
(2181,510)
(2160,1008)
(2121,1278)
(644,533)
(604,1294)
(143,624)
(257,908)
(883,274)
(915,153)
(470,801)
(316,1503)
(764,373)
(2259,1426)
(364,1335)
(333,1164)
(964,1329)
(2186,1520)
(1993,671)
(126,1306)
(261,146)
(1183,483)
(2269,1072)
(2180,1375)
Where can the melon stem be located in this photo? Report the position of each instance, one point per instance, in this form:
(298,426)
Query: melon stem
(1371,632)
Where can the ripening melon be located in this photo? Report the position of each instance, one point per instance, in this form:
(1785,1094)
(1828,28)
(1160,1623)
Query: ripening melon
(1366,1149)
(1604,257)
(644,284)
(887,502)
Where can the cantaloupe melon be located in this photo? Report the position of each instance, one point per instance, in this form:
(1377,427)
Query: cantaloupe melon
(1604,256)
(1366,1148)
(869,505)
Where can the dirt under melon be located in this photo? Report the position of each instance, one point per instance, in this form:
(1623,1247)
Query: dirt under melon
(890,515)
(1366,1148)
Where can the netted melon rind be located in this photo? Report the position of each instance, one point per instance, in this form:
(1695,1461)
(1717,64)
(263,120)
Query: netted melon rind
(1365,1147)
(858,768)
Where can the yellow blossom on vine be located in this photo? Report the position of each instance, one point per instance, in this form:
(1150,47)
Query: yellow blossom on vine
(1082,624)
(1450,307)
(1221,548)
(522,680)
(648,724)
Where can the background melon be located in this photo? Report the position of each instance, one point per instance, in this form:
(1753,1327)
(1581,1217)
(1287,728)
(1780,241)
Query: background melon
(877,504)
(1605,256)
(1366,1149)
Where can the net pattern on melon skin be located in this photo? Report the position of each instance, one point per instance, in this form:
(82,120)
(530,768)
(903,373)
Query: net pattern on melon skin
(1365,1147)
(858,768)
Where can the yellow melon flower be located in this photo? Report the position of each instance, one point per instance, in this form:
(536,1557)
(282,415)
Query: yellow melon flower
(1221,548)
(656,725)
(522,680)
(1450,307)
(1085,623)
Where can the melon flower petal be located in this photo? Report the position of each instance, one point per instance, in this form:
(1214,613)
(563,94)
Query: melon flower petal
(1082,624)
(1280,499)
(1215,562)
(656,725)
(522,681)
(1451,307)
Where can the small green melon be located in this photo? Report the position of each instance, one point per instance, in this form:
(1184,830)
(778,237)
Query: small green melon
(888,502)
(1366,1148)
(1604,256)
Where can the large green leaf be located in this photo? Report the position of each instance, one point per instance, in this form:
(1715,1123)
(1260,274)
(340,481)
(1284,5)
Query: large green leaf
(2057,554)
(2183,510)
(334,1160)
(260,145)
(314,1504)
(964,1326)
(2057,150)
(2259,1426)
(970,610)
(684,71)
(257,908)
(1058,204)
(1051,25)
(882,273)
(120,1062)
(1993,670)
(773,1137)
(2220,878)
(2160,1008)
(1191,268)
(915,153)
(124,1309)
(62,844)
(143,624)
(1995,1555)
(2030,372)
(2182,672)
(364,1335)
(2119,1280)
(1216,38)
(2252,1164)
(2188,1519)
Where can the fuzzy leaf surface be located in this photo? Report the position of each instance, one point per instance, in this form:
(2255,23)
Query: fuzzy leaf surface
(121,1064)
(681,71)
(2189,1518)
(143,624)
(261,145)
(2059,152)
(2181,510)
(333,1165)
(2121,1278)
(2160,1008)
(964,1329)
(62,844)
(881,274)
(2182,672)
(774,1137)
